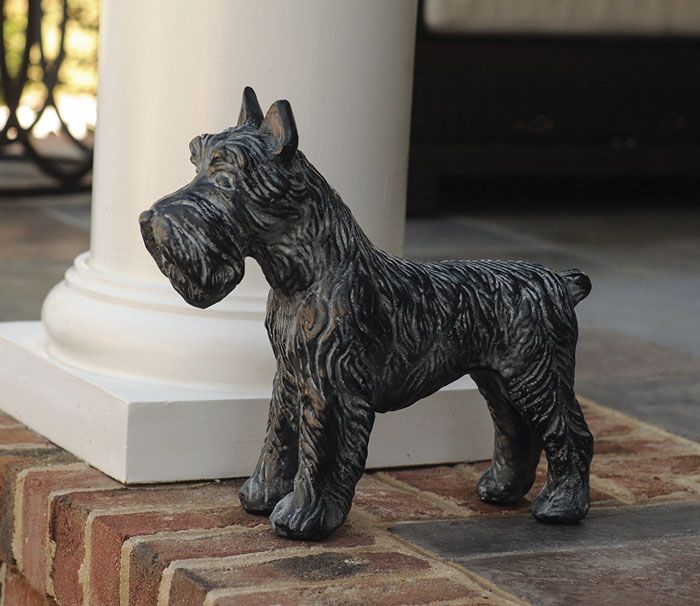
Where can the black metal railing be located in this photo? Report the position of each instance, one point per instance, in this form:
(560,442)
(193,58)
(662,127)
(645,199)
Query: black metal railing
(69,171)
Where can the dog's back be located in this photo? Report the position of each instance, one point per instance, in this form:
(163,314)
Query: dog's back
(440,320)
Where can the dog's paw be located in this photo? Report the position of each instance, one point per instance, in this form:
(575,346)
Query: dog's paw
(566,503)
(306,519)
(260,497)
(502,489)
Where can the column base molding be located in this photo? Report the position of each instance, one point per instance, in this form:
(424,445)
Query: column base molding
(141,329)
(142,432)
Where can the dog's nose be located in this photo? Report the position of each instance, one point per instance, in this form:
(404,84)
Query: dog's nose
(146,216)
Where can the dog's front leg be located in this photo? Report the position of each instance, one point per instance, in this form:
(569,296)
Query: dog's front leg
(334,429)
(273,477)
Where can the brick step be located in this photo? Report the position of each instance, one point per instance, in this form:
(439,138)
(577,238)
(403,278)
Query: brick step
(71,536)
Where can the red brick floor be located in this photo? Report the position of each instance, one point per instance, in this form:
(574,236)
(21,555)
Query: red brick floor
(70,535)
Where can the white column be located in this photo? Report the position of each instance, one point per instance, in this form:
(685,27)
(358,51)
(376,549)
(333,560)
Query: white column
(169,70)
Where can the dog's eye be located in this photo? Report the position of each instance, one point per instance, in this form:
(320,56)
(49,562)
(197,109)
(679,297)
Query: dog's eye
(223,181)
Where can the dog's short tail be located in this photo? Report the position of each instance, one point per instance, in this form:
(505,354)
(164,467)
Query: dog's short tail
(577,283)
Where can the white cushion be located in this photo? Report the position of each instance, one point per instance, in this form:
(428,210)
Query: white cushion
(610,17)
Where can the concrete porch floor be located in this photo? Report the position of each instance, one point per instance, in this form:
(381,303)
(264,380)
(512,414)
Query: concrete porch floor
(416,535)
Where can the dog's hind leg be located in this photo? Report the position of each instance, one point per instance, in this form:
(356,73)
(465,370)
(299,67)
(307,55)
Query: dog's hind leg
(516,447)
(545,397)
(333,439)
(273,477)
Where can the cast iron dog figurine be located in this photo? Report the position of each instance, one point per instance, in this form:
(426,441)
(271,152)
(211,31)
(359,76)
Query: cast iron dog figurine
(357,331)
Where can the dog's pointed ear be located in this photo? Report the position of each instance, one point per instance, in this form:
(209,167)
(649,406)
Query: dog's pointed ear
(250,109)
(279,124)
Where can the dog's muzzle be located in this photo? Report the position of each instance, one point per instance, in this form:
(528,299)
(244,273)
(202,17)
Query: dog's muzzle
(198,273)
(146,226)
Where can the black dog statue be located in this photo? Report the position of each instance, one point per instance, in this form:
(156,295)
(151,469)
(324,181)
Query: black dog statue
(357,331)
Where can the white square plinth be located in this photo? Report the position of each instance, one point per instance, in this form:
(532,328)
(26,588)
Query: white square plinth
(141,432)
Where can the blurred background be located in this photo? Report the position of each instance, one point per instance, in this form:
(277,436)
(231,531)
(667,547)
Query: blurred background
(48,71)
(564,132)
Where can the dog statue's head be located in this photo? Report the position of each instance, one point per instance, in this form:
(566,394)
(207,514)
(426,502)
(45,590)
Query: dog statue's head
(242,196)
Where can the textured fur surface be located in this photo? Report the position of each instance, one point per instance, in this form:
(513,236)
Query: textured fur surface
(357,331)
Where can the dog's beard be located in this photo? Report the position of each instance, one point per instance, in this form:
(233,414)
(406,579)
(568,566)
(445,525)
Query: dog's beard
(201,274)
(221,281)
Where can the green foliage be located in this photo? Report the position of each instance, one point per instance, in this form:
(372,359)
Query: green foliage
(78,71)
